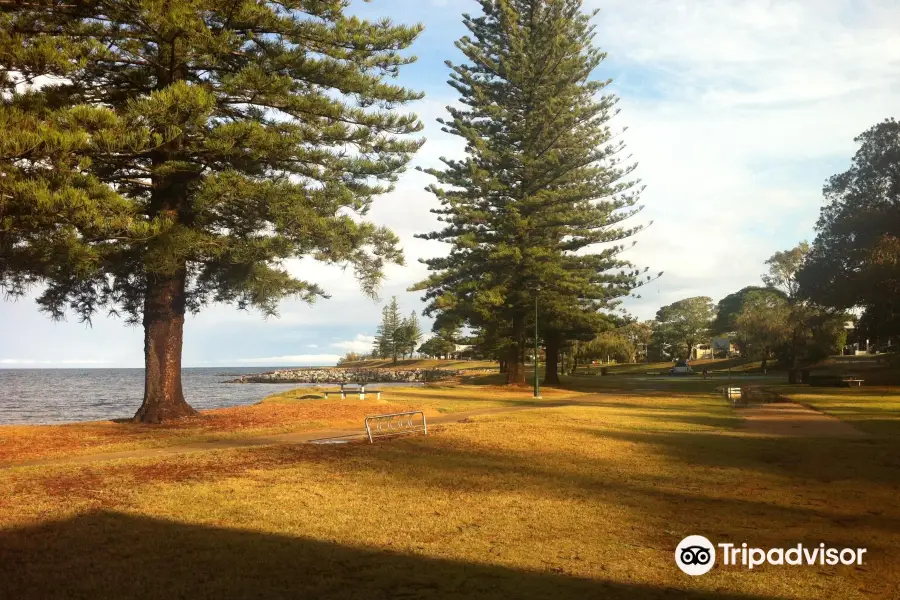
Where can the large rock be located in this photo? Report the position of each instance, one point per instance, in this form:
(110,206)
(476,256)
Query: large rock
(337,376)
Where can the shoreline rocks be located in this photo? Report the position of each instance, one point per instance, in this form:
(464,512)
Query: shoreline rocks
(338,376)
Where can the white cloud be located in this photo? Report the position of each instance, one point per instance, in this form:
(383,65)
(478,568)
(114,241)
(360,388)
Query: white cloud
(312,346)
(738,111)
(296,360)
(361,343)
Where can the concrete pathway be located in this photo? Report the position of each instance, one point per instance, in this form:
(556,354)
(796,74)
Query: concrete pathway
(793,420)
(301,437)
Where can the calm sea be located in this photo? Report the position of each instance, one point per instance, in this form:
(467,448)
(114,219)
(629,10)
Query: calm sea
(64,395)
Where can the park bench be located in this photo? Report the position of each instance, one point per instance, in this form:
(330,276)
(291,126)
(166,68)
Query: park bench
(835,380)
(355,388)
(395,424)
(733,394)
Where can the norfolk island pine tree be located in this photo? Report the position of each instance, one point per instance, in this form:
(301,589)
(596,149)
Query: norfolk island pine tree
(177,153)
(541,181)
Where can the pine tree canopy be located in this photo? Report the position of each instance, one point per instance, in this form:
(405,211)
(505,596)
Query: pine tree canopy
(161,155)
(542,183)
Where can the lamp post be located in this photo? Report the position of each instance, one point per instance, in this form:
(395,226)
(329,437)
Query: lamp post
(537,385)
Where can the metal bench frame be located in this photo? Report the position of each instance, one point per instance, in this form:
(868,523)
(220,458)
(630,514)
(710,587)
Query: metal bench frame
(394,424)
(361,391)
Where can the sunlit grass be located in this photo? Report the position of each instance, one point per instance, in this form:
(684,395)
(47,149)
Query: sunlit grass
(303,409)
(584,501)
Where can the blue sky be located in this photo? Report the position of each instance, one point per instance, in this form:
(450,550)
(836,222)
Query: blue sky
(737,111)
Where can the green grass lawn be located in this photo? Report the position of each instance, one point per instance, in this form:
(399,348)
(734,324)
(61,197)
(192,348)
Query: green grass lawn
(585,501)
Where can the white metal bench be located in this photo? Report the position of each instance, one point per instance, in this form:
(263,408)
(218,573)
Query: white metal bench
(395,424)
(355,388)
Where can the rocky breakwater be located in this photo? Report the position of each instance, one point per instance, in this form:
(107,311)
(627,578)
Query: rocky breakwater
(336,376)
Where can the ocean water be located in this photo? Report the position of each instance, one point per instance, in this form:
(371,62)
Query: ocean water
(63,395)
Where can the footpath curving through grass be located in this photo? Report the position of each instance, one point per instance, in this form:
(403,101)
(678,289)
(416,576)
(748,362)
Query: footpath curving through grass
(585,501)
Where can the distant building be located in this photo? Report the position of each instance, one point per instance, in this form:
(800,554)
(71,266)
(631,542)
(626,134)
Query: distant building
(720,347)
(702,352)
(462,352)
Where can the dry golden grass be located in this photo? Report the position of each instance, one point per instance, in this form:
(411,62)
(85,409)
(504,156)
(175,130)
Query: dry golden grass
(586,501)
(288,412)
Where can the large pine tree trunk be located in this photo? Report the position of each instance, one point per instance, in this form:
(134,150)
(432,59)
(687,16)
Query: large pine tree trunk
(551,371)
(515,366)
(163,334)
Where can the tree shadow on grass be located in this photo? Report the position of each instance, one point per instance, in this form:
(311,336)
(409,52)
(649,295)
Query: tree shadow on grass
(480,470)
(108,555)
(865,461)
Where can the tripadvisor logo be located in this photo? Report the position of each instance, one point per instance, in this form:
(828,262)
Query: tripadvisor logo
(696,555)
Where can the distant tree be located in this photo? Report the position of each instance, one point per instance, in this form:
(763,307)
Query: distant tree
(429,348)
(686,323)
(350,357)
(411,334)
(809,321)
(390,336)
(729,307)
(611,345)
(783,269)
(382,343)
(179,153)
(486,344)
(828,335)
(401,339)
(441,345)
(660,347)
(639,335)
(764,323)
(855,259)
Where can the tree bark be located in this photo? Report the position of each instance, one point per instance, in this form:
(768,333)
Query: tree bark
(551,370)
(502,366)
(164,308)
(515,367)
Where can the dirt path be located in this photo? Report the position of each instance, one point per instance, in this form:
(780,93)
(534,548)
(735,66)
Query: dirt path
(303,437)
(794,420)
